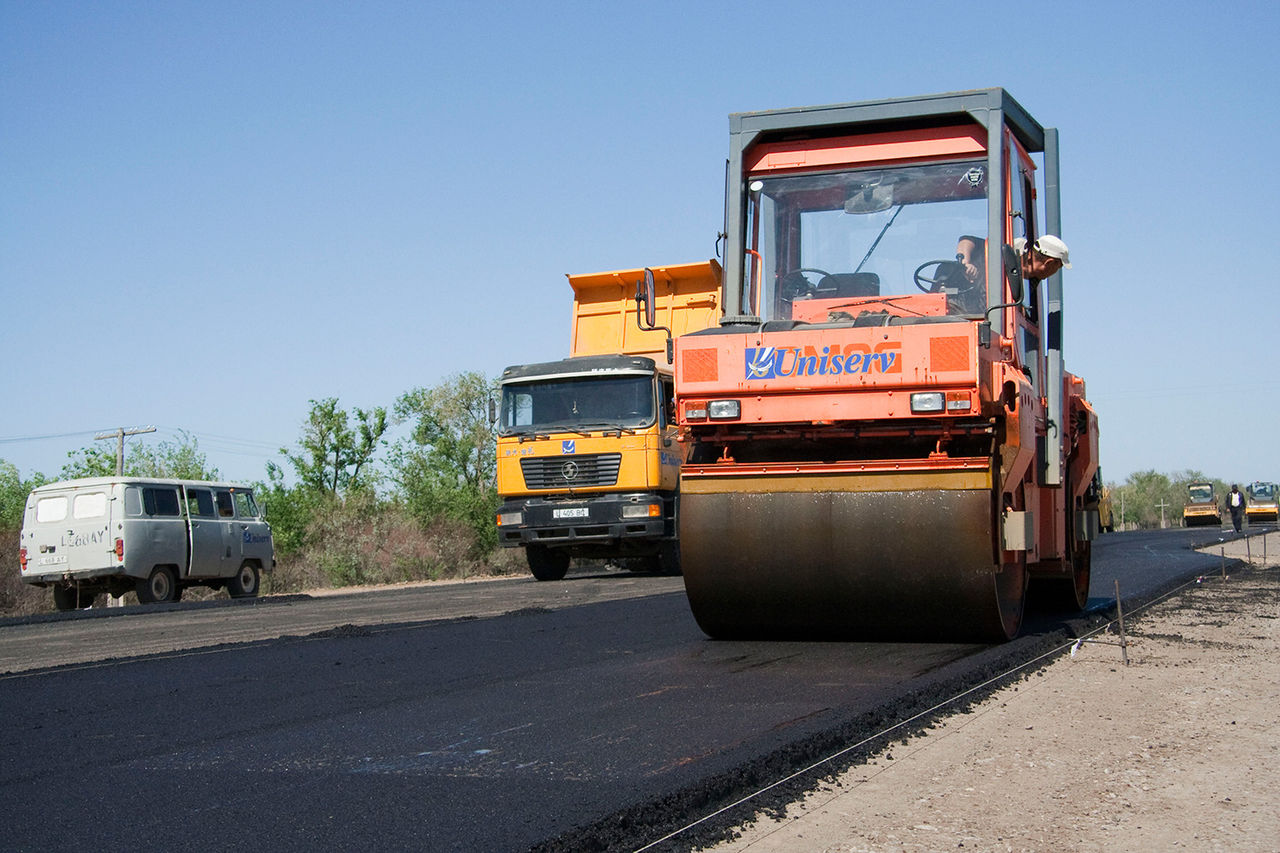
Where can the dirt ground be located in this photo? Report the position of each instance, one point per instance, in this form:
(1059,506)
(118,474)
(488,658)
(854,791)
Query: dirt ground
(1176,751)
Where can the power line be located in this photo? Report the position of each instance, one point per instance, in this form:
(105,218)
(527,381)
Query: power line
(20,438)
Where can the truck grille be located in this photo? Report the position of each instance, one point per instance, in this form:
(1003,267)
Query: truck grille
(571,472)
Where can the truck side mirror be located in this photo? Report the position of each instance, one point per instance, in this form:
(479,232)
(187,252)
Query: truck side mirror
(1012,271)
(493,410)
(648,298)
(645,303)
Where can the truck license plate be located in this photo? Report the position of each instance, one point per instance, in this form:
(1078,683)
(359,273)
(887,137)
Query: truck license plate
(573,512)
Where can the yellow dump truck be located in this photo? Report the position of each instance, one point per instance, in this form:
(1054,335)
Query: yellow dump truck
(1262,506)
(588,464)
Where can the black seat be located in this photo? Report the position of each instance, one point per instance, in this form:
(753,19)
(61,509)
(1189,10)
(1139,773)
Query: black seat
(848,284)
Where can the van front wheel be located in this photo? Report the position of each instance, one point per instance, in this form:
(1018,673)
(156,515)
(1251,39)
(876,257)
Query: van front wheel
(244,583)
(159,587)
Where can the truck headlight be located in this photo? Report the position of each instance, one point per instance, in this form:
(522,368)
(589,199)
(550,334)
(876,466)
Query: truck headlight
(724,410)
(926,401)
(507,519)
(641,511)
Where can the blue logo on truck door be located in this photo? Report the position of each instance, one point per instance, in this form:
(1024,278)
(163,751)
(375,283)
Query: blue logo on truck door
(569,446)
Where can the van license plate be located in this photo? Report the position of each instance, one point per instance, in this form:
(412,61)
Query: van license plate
(575,512)
(53,561)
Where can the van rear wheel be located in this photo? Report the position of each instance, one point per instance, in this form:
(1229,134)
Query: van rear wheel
(159,587)
(244,583)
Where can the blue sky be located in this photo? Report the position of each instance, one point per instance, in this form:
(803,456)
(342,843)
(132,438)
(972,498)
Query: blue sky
(212,212)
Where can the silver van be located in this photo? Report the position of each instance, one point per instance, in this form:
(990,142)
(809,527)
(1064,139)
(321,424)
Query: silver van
(133,534)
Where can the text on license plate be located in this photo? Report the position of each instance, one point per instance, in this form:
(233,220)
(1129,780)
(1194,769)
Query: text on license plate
(59,560)
(572,512)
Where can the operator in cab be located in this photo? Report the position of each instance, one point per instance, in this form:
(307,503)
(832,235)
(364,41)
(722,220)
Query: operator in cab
(1043,258)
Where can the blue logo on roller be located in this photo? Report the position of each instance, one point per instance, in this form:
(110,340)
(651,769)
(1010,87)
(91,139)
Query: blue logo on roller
(762,363)
(569,446)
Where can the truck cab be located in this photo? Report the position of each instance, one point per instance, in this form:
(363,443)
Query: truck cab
(588,465)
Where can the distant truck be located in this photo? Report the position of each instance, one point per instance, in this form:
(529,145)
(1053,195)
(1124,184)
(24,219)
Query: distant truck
(588,465)
(115,535)
(1263,505)
(1201,507)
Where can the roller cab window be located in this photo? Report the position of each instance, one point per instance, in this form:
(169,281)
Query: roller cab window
(579,404)
(839,246)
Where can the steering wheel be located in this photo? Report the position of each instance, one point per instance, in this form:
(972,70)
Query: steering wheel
(794,283)
(946,274)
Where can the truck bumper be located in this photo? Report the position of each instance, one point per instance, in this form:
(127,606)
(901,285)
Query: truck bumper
(609,520)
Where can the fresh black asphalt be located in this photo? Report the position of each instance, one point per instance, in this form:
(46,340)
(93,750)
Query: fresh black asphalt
(597,727)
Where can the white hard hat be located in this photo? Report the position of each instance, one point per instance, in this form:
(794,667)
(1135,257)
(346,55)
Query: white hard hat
(1053,247)
(1019,245)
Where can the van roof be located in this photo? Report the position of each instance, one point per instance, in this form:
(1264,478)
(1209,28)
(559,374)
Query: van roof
(93,482)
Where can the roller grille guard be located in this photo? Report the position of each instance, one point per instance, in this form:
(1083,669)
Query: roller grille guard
(571,472)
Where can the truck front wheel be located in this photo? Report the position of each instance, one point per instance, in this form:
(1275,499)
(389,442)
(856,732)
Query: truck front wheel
(547,564)
(159,587)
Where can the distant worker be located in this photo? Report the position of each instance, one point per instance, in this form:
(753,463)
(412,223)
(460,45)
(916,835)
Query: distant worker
(1236,503)
(1044,258)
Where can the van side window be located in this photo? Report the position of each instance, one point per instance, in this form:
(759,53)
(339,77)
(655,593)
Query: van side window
(222,498)
(200,504)
(133,501)
(91,505)
(161,502)
(245,507)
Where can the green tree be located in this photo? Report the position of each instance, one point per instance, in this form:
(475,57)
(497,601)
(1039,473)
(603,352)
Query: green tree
(447,465)
(334,458)
(288,509)
(178,460)
(1145,493)
(13,494)
(97,460)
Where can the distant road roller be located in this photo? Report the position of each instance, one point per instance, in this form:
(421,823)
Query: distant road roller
(883,441)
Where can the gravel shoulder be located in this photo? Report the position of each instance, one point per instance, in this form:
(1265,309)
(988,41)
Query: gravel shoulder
(1178,750)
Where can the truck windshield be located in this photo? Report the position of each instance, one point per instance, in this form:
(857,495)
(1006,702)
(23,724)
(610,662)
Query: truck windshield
(1201,493)
(579,404)
(856,235)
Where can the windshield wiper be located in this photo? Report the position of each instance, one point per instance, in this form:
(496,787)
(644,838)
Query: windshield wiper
(567,428)
(607,426)
(884,300)
(879,237)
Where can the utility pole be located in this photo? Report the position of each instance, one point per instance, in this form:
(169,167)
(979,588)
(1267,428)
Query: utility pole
(119,435)
(1162,505)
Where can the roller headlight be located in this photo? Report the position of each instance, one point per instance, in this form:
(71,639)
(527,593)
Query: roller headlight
(724,410)
(927,401)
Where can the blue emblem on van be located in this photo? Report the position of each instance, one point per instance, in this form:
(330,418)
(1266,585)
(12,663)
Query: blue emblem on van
(569,446)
